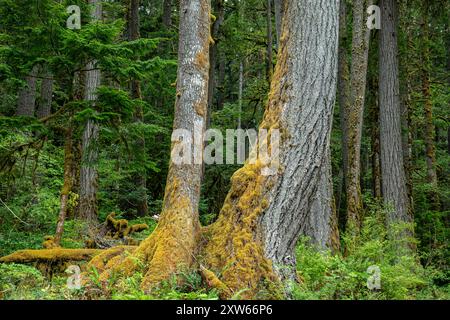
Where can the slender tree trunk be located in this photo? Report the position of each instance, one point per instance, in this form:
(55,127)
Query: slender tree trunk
(167,13)
(27,96)
(360,50)
(394,187)
(269,41)
(173,244)
(45,102)
(262,217)
(343,87)
(88,171)
(67,186)
(140,178)
(426,91)
(220,82)
(406,106)
(278,19)
(375,142)
(240,93)
(218,6)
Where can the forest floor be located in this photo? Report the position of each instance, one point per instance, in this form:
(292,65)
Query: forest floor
(322,275)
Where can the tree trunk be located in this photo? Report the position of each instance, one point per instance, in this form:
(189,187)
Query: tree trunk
(278,19)
(167,13)
(27,95)
(406,106)
(45,102)
(173,244)
(67,186)
(394,187)
(240,93)
(360,50)
(213,53)
(269,41)
(343,86)
(257,230)
(374,116)
(140,178)
(88,171)
(429,125)
(321,225)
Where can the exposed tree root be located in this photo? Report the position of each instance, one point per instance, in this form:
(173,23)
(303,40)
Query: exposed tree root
(169,248)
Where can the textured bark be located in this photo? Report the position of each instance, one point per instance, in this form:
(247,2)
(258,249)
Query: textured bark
(262,217)
(343,86)
(321,225)
(173,244)
(394,187)
(45,102)
(375,141)
(27,96)
(88,171)
(135,88)
(406,105)
(360,50)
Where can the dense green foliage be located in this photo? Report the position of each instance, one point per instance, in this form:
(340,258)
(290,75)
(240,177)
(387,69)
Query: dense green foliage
(32,151)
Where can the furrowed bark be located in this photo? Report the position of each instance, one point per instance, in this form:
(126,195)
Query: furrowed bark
(343,87)
(394,187)
(252,243)
(360,51)
(88,171)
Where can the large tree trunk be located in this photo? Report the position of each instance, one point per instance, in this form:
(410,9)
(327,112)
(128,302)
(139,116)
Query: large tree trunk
(394,187)
(88,171)
(262,217)
(173,244)
(321,225)
(360,50)
(27,96)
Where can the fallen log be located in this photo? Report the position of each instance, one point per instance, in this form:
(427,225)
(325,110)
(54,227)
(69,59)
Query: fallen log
(50,255)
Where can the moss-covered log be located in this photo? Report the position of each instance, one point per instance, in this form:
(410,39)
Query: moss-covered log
(50,255)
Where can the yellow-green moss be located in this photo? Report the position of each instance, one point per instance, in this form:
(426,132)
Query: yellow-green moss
(48,255)
(119,229)
(170,247)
